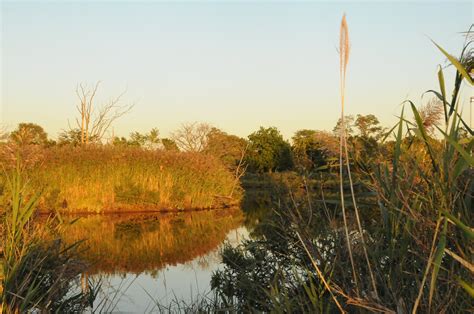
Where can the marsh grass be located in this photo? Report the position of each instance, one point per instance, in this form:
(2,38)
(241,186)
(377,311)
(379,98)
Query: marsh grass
(37,275)
(109,179)
(410,249)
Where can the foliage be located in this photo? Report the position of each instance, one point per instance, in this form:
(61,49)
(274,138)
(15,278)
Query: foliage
(416,209)
(38,275)
(313,149)
(150,140)
(107,178)
(268,151)
(29,134)
(73,137)
(227,148)
(169,144)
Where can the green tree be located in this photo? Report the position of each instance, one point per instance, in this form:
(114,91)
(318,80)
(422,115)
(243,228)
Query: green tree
(73,137)
(29,133)
(368,126)
(312,149)
(150,140)
(268,151)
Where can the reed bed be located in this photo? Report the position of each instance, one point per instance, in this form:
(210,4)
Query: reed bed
(408,250)
(108,179)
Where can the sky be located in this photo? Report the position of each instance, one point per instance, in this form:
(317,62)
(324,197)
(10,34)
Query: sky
(236,65)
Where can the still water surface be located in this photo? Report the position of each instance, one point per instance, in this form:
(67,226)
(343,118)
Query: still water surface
(144,259)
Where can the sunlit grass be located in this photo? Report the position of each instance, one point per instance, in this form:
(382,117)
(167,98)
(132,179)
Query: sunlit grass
(107,179)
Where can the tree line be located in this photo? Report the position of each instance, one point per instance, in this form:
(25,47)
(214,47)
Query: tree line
(264,150)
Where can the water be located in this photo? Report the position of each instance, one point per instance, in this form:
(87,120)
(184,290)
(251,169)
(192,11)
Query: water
(145,259)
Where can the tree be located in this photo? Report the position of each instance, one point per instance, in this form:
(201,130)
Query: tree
(93,122)
(349,124)
(150,140)
(73,137)
(29,133)
(368,126)
(268,151)
(169,144)
(312,149)
(192,137)
(230,150)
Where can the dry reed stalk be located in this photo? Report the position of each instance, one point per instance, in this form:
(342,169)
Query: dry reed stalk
(320,274)
(344,59)
(344,49)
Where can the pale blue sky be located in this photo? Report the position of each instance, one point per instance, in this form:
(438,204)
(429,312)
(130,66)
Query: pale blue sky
(236,65)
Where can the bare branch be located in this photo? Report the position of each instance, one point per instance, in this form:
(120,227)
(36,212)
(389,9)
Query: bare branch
(93,122)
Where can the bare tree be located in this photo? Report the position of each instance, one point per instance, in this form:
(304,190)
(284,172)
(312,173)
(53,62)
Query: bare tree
(94,121)
(192,137)
(240,169)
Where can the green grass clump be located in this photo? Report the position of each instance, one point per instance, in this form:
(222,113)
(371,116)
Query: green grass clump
(36,275)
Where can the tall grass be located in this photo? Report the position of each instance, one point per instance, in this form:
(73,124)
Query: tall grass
(101,179)
(36,275)
(414,251)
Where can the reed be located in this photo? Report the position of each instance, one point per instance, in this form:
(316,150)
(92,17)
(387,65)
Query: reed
(108,179)
(37,276)
(414,251)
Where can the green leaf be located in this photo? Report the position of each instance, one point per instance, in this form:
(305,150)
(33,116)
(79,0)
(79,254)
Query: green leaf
(456,63)
(458,147)
(421,132)
(443,92)
(466,229)
(437,260)
(469,289)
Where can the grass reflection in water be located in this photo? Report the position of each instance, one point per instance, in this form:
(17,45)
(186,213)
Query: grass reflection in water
(137,243)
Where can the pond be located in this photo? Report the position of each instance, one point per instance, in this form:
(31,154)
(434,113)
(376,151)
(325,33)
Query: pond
(149,258)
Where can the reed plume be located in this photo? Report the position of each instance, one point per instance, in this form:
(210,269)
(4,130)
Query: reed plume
(343,61)
(344,49)
(431,113)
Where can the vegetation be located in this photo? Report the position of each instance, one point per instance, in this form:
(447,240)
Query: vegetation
(268,151)
(103,178)
(376,220)
(402,243)
(35,274)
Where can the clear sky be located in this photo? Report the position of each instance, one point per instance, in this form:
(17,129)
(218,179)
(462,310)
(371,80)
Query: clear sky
(235,65)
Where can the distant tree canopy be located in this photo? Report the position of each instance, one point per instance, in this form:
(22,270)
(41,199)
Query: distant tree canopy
(29,133)
(169,144)
(313,149)
(268,151)
(364,126)
(73,137)
(230,149)
(368,126)
(363,133)
(150,140)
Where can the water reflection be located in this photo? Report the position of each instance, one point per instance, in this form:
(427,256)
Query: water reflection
(143,259)
(145,243)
